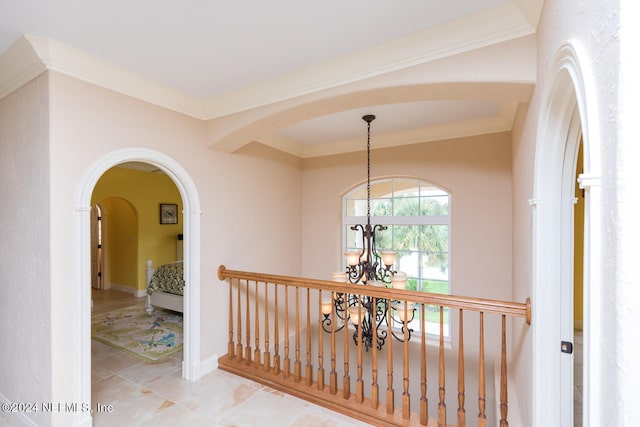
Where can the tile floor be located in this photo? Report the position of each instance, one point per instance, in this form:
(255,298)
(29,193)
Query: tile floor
(149,394)
(154,394)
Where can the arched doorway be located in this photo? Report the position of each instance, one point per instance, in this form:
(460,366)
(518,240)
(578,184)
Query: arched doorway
(568,116)
(191,367)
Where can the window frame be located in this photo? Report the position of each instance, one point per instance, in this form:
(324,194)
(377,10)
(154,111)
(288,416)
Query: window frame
(404,220)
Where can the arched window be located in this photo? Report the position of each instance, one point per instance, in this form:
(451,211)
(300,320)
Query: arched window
(417,214)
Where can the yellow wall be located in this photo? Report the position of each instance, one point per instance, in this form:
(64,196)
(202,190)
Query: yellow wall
(578,247)
(120,241)
(144,191)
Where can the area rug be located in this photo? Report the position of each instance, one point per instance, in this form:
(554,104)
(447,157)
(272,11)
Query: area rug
(153,337)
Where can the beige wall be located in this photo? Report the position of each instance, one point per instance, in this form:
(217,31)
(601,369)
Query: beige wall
(25,294)
(250,204)
(476,171)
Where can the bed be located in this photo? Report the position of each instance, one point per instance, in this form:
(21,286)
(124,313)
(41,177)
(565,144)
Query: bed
(165,285)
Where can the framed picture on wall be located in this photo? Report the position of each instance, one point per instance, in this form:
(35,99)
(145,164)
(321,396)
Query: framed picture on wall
(168,213)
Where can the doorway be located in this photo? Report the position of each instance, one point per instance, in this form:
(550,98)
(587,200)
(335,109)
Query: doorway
(97,248)
(567,121)
(191,365)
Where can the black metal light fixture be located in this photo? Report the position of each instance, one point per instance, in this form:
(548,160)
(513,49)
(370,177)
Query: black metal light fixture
(369,264)
(373,267)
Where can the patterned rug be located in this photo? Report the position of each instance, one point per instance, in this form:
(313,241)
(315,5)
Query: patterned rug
(151,337)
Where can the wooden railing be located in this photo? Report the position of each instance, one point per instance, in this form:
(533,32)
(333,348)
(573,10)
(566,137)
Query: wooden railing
(270,307)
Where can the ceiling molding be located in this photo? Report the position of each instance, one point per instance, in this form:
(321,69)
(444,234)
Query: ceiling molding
(497,25)
(18,66)
(460,129)
(229,133)
(32,55)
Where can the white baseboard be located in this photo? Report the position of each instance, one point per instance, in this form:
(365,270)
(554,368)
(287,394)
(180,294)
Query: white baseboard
(128,289)
(203,368)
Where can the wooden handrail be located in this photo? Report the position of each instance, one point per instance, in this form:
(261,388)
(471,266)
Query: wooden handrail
(254,316)
(507,308)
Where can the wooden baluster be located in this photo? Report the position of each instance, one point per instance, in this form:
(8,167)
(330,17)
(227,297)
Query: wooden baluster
(309,371)
(390,393)
(406,398)
(239,343)
(267,354)
(276,334)
(333,375)
(287,361)
(442,406)
(256,352)
(503,376)
(346,379)
(375,397)
(359,382)
(461,411)
(247,352)
(482,417)
(424,401)
(320,344)
(231,344)
(297,365)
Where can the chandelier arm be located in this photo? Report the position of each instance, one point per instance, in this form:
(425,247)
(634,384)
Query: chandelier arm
(356,272)
(403,324)
(401,336)
(326,324)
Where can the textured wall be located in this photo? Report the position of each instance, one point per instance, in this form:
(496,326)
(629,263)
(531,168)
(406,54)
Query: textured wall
(25,272)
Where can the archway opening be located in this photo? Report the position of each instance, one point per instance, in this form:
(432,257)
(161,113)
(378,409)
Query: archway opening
(191,365)
(566,123)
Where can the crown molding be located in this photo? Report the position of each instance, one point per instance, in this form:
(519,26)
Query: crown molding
(18,66)
(481,126)
(497,25)
(31,55)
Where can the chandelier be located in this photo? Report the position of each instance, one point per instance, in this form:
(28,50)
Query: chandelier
(369,266)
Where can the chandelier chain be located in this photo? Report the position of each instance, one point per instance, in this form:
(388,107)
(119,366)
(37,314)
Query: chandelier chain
(368,169)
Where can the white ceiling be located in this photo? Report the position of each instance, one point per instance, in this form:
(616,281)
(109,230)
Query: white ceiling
(251,54)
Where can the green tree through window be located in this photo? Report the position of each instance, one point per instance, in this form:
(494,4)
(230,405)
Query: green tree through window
(417,216)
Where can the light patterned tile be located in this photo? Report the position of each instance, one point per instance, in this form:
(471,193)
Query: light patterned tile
(135,408)
(261,407)
(148,373)
(177,415)
(112,388)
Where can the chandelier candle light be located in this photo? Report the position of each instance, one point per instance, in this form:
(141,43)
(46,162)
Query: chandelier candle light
(372,267)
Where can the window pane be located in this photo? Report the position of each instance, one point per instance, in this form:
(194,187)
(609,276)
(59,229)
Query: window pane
(435,266)
(356,207)
(379,189)
(381,207)
(434,205)
(384,239)
(435,286)
(406,206)
(406,187)
(408,262)
(406,237)
(353,238)
(433,238)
